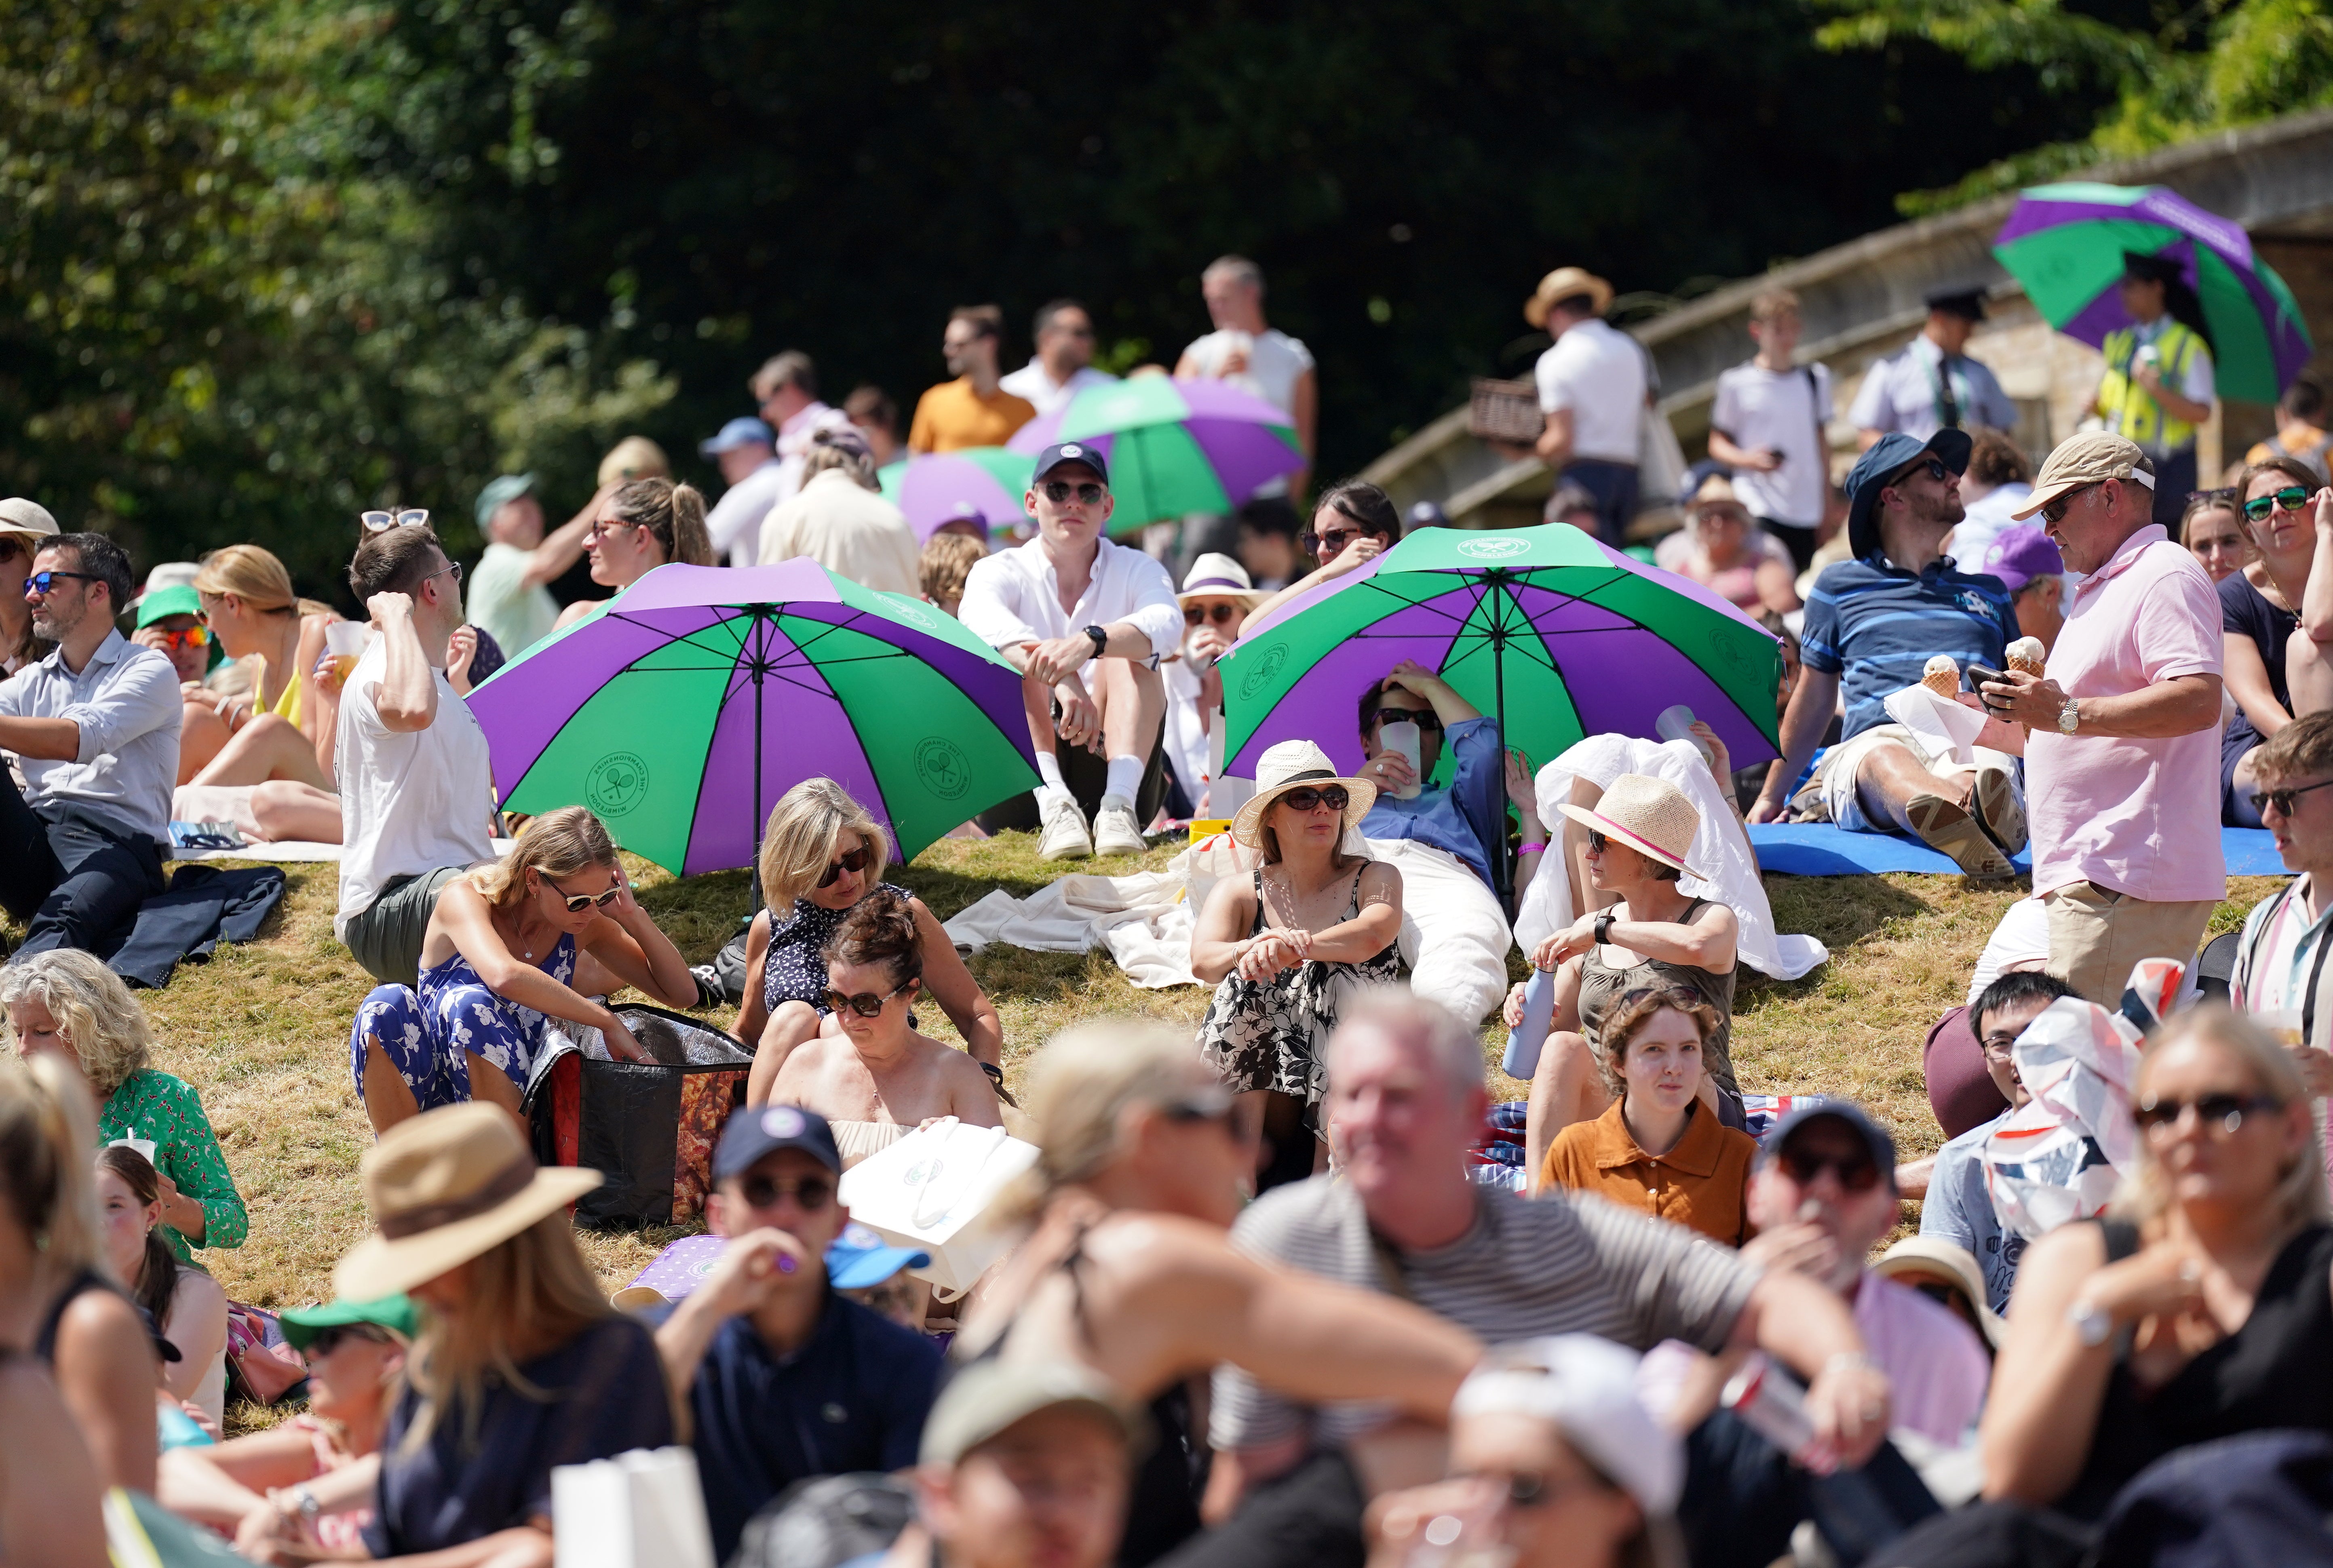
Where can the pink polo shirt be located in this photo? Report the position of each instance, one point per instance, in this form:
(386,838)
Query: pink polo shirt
(2140,818)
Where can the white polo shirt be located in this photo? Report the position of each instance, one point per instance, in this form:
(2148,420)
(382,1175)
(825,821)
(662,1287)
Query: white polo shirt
(1597,372)
(1014,596)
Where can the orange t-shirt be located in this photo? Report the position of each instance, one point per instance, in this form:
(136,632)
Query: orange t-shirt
(951,417)
(1701,1184)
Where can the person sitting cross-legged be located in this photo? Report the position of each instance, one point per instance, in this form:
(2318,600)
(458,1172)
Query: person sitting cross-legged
(1085,621)
(1872,625)
(497,965)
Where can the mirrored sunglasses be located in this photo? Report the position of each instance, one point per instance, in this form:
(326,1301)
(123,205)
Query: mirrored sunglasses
(2290,499)
(190,638)
(382,522)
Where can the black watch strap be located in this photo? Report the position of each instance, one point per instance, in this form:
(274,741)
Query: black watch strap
(1100,639)
(1604,927)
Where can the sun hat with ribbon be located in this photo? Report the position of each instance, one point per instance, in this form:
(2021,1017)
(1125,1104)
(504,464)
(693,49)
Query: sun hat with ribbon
(1586,1387)
(1290,765)
(1562,284)
(444,1187)
(1651,816)
(1220,576)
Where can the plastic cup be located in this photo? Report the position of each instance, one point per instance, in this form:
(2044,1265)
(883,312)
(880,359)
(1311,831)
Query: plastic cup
(345,642)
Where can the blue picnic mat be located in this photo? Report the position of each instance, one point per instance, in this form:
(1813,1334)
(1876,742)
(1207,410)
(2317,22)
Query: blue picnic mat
(1820,849)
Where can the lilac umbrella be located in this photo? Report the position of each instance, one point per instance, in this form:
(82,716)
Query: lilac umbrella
(682,711)
(937,487)
(1173,446)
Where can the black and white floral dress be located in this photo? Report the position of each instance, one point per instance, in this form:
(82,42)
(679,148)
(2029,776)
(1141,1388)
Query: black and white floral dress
(1271,1034)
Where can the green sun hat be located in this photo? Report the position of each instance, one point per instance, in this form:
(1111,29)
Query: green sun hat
(179,600)
(395,1313)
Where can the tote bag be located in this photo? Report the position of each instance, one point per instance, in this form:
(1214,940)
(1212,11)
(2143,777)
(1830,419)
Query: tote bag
(936,1191)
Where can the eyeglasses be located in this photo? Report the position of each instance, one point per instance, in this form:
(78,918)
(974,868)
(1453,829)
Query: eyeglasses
(1424,718)
(382,522)
(2290,499)
(1856,1173)
(2282,799)
(2054,509)
(577,903)
(42,583)
(854,863)
(189,638)
(1222,615)
(812,1193)
(331,1339)
(2000,1044)
(865,1004)
(2219,1115)
(1305,797)
(1059,491)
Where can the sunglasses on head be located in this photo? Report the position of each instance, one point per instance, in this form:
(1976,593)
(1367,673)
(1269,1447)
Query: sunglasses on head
(1060,491)
(42,583)
(854,862)
(1222,615)
(2282,799)
(577,903)
(1424,718)
(1856,1173)
(865,1004)
(190,638)
(2219,1113)
(812,1193)
(2224,493)
(382,522)
(1305,797)
(2291,498)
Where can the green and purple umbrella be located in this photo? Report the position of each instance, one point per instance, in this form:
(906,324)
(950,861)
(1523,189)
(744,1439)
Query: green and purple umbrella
(2066,243)
(937,487)
(1173,446)
(701,694)
(1545,629)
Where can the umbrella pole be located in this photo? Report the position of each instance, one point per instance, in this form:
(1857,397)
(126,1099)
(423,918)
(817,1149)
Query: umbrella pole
(754,873)
(1501,869)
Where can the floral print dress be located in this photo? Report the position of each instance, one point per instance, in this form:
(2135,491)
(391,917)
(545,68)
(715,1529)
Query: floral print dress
(1271,1034)
(430,1033)
(167,1113)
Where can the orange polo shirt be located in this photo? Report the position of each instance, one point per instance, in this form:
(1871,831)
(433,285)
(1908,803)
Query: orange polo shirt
(951,417)
(1701,1183)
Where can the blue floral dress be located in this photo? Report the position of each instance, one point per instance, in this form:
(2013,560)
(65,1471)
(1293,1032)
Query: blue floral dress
(429,1034)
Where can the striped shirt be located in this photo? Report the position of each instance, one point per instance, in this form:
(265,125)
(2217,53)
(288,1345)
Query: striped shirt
(1567,1264)
(1876,626)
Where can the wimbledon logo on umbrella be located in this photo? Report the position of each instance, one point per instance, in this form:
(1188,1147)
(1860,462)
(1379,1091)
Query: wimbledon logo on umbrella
(1491,549)
(618,783)
(942,767)
(1267,664)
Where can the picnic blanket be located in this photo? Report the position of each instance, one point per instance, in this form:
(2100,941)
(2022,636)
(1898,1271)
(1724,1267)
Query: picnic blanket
(1824,849)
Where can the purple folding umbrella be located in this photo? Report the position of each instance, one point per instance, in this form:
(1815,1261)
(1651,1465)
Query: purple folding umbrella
(701,694)
(1173,446)
(935,488)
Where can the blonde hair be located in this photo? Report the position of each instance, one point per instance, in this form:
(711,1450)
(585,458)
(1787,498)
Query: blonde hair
(809,821)
(674,515)
(94,1010)
(2299,1198)
(567,842)
(48,1166)
(634,457)
(250,574)
(528,1295)
(1084,1079)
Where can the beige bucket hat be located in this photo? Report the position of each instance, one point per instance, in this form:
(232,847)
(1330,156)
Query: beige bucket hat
(28,518)
(444,1187)
(1561,284)
(1650,816)
(1285,767)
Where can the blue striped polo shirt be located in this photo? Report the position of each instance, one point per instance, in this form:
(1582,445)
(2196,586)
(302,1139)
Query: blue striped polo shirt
(1876,626)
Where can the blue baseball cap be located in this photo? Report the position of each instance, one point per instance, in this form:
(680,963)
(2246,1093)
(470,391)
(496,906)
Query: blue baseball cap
(1873,1135)
(1878,468)
(752,1133)
(860,1257)
(1061,452)
(745,431)
(501,492)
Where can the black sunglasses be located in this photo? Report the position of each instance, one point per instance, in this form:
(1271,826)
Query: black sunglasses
(577,903)
(1059,491)
(1305,797)
(1597,842)
(2290,499)
(854,862)
(1856,1173)
(1532,1489)
(329,1340)
(2054,509)
(42,583)
(1424,718)
(1334,542)
(811,1192)
(1214,1105)
(865,1004)
(2222,1114)
(1222,615)
(2282,799)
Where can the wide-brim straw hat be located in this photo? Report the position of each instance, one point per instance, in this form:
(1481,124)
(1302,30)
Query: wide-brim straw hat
(1561,284)
(1933,1255)
(446,1187)
(1217,576)
(1287,766)
(1651,816)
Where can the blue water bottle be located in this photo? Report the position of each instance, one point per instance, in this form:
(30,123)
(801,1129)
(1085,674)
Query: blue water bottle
(1523,1041)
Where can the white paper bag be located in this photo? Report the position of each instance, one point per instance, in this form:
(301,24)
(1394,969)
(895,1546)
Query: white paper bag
(643,1509)
(936,1191)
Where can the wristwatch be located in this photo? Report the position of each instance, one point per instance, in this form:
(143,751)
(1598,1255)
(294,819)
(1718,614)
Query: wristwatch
(1100,639)
(1604,928)
(2068,717)
(2090,1323)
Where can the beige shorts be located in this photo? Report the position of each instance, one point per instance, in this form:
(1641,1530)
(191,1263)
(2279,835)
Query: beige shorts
(2096,936)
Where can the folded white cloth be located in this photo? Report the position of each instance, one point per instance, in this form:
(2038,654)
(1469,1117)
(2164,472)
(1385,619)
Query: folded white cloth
(1720,845)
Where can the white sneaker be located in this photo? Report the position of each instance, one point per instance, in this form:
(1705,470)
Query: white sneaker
(1115,831)
(1065,836)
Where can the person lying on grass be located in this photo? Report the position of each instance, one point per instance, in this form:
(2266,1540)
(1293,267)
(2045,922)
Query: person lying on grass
(497,964)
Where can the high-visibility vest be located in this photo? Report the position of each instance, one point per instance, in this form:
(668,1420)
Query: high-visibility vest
(2129,409)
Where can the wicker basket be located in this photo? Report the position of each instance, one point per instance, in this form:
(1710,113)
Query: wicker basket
(1505,411)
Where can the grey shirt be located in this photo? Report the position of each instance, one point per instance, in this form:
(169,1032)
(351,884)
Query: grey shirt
(1565,1264)
(126,702)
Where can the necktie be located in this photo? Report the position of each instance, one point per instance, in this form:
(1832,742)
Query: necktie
(1947,406)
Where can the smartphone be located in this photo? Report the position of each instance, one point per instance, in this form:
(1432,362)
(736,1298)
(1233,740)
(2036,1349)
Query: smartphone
(1978,674)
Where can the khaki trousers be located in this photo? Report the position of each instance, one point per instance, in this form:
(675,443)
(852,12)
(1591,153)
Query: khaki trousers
(2096,936)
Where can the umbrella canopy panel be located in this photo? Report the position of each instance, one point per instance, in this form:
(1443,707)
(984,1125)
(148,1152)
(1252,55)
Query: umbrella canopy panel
(1174,446)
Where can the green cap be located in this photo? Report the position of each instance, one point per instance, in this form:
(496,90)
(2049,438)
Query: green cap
(178,599)
(501,492)
(397,1313)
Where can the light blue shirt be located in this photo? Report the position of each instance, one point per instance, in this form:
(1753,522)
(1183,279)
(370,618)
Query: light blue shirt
(1900,393)
(1463,818)
(1959,1210)
(126,702)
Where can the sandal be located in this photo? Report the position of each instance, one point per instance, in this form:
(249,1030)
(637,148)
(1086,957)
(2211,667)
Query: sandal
(1951,830)
(1998,810)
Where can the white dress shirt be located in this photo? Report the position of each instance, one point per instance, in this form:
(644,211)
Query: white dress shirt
(126,703)
(734,522)
(1033,383)
(1014,596)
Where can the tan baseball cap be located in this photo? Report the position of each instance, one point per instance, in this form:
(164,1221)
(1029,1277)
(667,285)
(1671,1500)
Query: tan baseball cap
(18,515)
(2088,458)
(984,1399)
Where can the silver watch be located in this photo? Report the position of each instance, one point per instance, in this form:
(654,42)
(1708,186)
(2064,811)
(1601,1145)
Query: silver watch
(2091,1323)
(2068,717)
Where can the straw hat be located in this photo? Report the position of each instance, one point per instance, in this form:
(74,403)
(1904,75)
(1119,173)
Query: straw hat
(1650,816)
(1218,576)
(1283,768)
(444,1187)
(1716,490)
(1561,284)
(28,518)
(1933,1255)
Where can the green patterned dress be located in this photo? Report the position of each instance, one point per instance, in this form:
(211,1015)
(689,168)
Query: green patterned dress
(168,1112)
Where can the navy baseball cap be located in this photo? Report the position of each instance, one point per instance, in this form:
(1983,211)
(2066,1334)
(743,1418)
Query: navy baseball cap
(1873,1135)
(747,432)
(1062,452)
(1878,468)
(752,1133)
